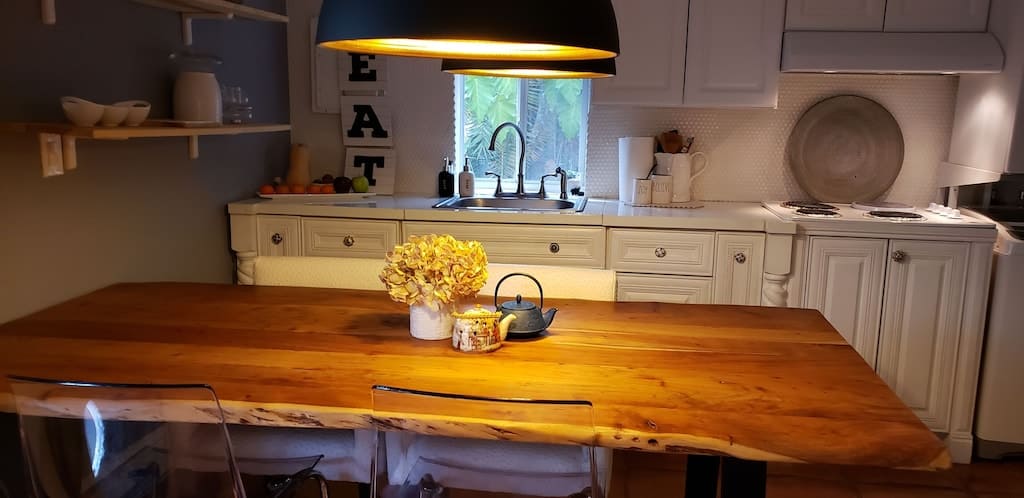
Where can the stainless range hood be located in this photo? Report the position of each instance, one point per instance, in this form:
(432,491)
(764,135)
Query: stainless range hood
(877,52)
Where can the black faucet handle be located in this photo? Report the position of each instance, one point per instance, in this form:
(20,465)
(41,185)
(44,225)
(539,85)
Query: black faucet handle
(542,192)
(497,191)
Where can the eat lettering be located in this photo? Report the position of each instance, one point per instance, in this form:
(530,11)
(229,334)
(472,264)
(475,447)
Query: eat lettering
(368,163)
(361,68)
(366,118)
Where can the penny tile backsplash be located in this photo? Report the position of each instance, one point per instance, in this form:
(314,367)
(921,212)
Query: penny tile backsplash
(747,146)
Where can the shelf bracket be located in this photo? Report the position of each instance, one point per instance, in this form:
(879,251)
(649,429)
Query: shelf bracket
(188,17)
(48,11)
(193,147)
(51,156)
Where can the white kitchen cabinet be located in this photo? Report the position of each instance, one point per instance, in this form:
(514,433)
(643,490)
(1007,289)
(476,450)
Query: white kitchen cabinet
(278,235)
(652,36)
(739,268)
(835,15)
(551,245)
(663,289)
(936,15)
(346,238)
(924,293)
(733,53)
(844,282)
(899,303)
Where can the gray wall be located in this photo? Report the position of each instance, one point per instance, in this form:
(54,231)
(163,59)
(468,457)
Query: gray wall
(138,210)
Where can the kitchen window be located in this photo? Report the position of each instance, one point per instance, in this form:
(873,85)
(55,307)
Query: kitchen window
(552,113)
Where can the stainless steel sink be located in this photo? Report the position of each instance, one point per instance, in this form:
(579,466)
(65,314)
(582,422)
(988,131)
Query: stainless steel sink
(514,204)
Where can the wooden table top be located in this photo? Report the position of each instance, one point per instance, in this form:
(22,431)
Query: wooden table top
(770,384)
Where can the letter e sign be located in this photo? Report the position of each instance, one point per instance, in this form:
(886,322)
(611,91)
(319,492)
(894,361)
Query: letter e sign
(366,122)
(362,72)
(377,165)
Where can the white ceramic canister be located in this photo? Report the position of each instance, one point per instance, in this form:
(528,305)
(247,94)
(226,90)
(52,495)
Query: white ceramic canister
(197,97)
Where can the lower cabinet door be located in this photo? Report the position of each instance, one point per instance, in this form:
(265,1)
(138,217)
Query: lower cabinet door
(278,236)
(662,289)
(844,282)
(739,268)
(924,293)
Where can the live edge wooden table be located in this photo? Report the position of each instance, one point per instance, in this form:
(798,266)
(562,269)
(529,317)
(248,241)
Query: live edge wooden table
(750,384)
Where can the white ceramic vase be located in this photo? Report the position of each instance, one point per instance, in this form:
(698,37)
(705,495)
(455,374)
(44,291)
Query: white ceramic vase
(429,323)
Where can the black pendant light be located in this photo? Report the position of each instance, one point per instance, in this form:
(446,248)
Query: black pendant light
(464,29)
(589,69)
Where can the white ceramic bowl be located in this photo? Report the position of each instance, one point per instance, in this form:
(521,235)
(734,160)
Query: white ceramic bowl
(81,112)
(114,115)
(138,111)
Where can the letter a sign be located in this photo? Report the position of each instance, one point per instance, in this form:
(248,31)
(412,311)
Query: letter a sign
(366,122)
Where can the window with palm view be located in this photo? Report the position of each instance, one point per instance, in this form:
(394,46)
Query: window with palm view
(551,112)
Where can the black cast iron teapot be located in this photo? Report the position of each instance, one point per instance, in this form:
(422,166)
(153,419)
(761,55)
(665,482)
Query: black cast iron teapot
(530,319)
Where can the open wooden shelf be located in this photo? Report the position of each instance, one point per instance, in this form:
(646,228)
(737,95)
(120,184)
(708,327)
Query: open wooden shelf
(222,7)
(189,9)
(58,152)
(147,130)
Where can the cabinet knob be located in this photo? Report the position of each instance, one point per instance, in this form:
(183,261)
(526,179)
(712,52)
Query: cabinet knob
(554,248)
(276,239)
(660,252)
(740,258)
(348,241)
(899,256)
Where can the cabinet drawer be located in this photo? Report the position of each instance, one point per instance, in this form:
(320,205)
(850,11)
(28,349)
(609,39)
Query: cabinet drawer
(278,236)
(348,238)
(661,251)
(663,289)
(526,244)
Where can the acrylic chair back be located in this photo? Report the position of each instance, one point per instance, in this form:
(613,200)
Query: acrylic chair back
(482,445)
(93,440)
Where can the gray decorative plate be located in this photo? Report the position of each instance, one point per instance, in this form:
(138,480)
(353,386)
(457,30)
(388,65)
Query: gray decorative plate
(846,149)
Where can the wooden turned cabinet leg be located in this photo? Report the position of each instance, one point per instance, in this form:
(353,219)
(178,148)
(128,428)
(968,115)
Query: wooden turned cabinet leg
(774,292)
(245,267)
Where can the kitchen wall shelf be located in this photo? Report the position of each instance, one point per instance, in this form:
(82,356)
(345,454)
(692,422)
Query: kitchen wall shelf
(189,10)
(222,7)
(57,141)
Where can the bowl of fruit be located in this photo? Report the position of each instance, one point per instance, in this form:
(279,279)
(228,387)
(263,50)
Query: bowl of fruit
(325,188)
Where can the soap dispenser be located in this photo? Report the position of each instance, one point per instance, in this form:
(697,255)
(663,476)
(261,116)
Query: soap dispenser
(446,179)
(467,181)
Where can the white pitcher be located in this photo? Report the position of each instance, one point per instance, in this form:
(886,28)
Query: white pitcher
(681,167)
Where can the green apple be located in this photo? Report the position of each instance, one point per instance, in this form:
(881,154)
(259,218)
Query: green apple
(360,185)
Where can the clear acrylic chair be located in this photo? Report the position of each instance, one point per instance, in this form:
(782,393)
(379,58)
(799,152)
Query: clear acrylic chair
(477,457)
(88,440)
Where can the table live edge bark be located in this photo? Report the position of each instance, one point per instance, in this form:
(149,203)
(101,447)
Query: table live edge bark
(763,384)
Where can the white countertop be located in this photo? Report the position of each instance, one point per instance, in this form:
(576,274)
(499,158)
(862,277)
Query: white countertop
(737,216)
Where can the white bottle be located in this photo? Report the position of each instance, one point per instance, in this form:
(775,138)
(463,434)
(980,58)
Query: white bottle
(467,181)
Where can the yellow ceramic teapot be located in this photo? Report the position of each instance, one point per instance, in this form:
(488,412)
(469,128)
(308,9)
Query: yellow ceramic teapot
(478,330)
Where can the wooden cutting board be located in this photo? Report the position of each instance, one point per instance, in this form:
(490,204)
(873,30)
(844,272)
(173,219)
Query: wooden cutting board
(846,149)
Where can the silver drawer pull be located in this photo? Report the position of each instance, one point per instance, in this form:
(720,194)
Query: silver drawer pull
(276,239)
(554,248)
(660,252)
(899,256)
(348,241)
(740,258)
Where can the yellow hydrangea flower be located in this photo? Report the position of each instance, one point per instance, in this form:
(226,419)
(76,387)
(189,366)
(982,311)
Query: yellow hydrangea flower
(434,270)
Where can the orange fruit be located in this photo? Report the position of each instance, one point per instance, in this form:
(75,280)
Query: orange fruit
(282,189)
(327,189)
(313,189)
(267,189)
(298,189)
